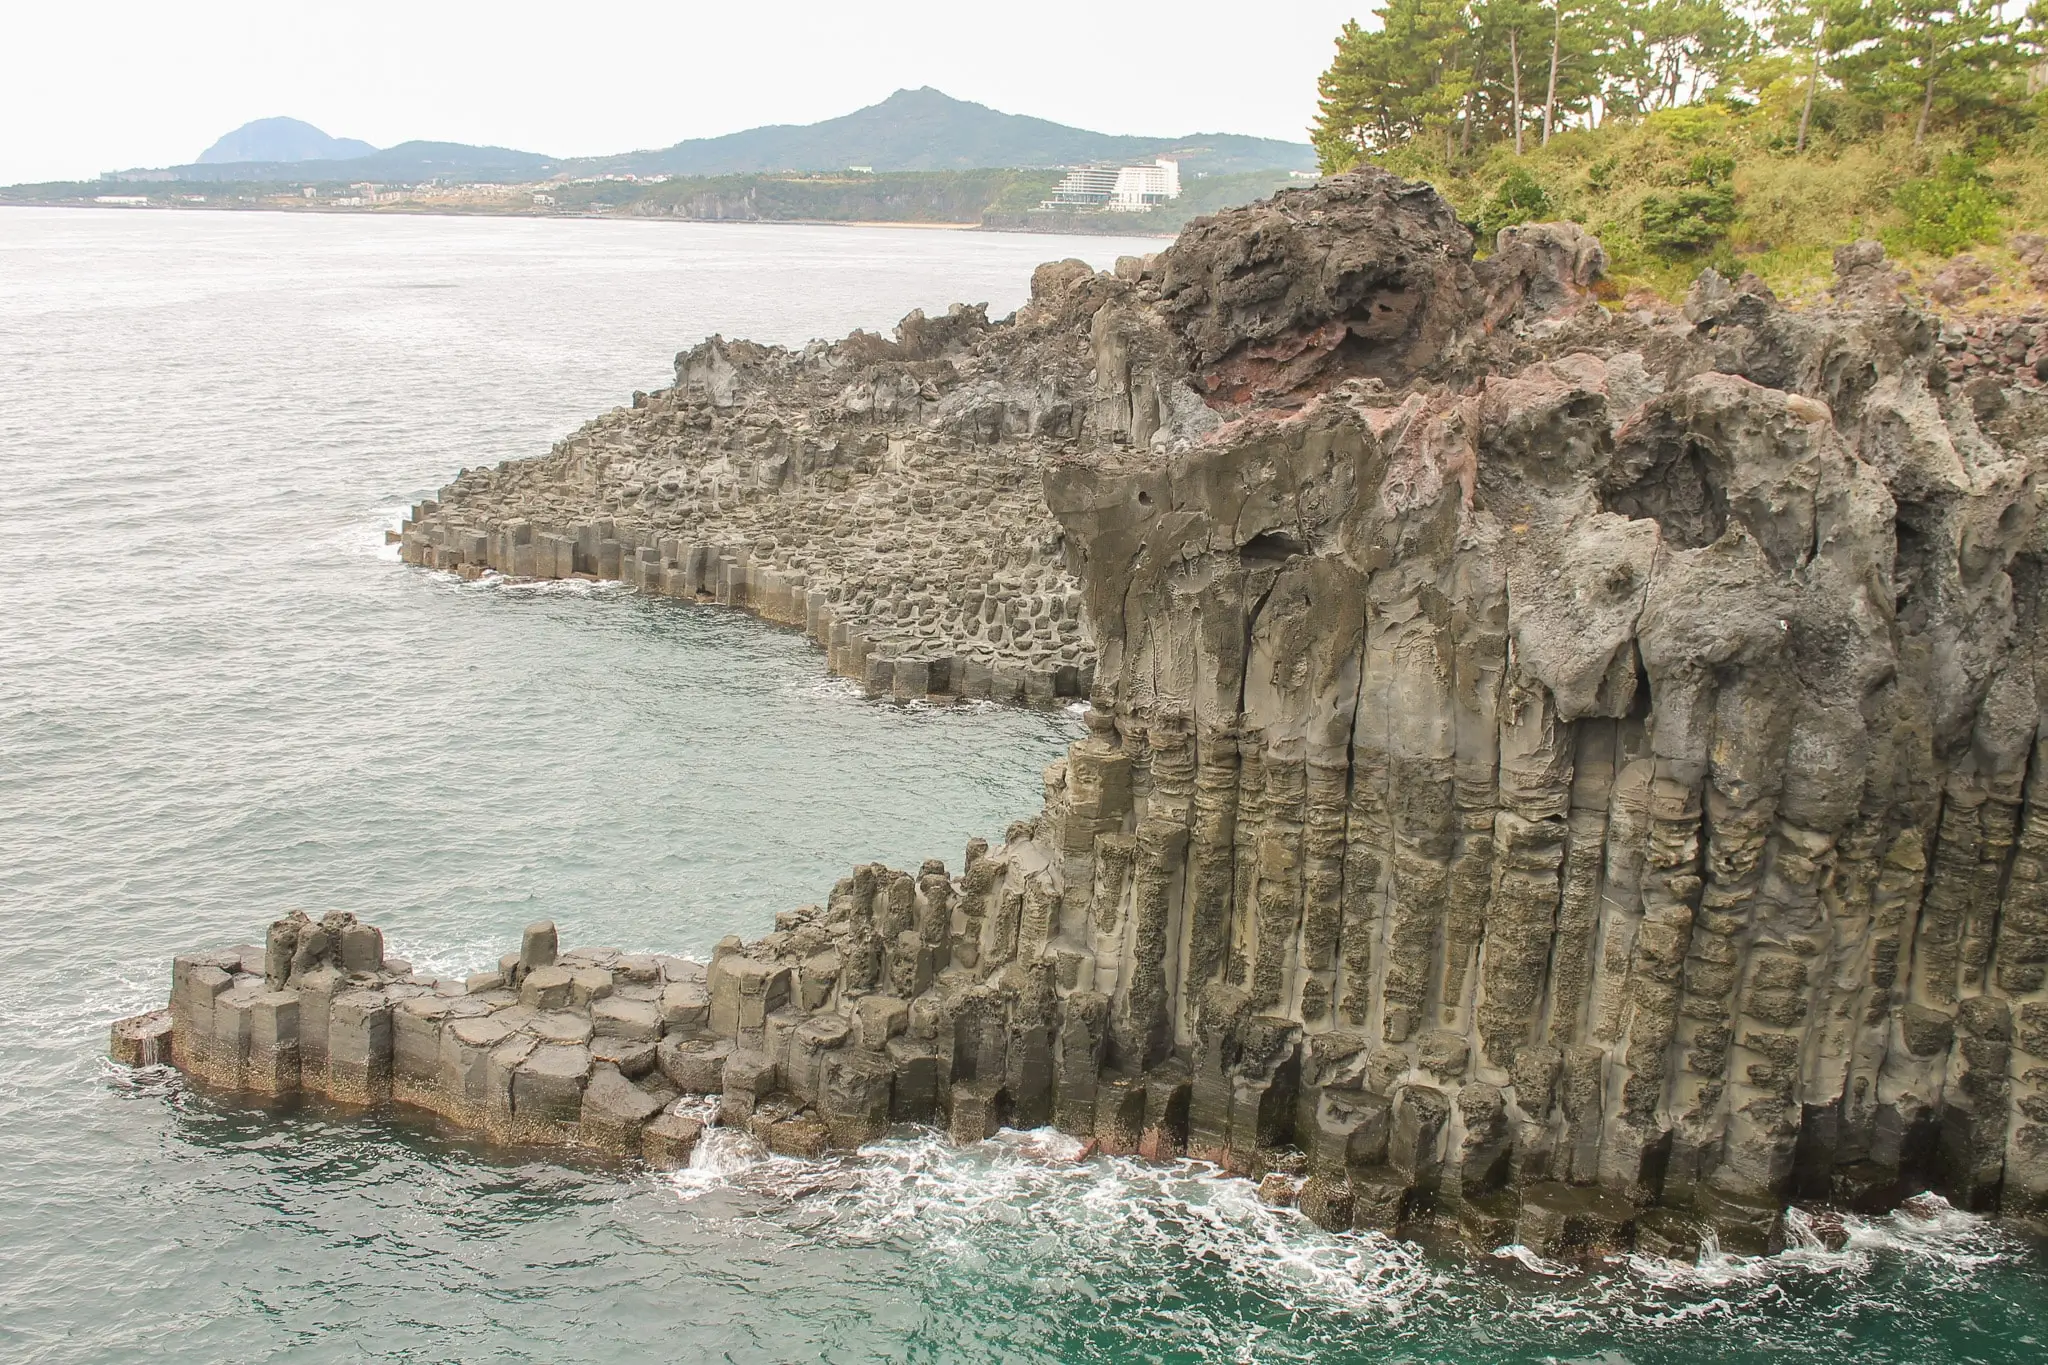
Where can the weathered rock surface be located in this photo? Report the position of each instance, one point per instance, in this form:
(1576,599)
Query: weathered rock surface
(881,494)
(1565,773)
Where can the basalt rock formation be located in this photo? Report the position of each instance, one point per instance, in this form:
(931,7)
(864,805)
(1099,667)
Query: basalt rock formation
(882,494)
(885,494)
(1565,772)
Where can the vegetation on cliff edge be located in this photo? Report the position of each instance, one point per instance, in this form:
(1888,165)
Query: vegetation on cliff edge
(1687,133)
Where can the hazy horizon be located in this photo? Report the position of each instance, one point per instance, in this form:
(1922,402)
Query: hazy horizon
(126,85)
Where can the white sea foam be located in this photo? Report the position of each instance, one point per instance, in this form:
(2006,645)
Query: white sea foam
(493,581)
(829,686)
(722,1157)
(1947,1242)
(479,953)
(1038,1207)
(373,538)
(1029,1200)
(1531,1262)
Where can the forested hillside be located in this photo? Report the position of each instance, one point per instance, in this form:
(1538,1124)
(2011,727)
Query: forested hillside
(1695,132)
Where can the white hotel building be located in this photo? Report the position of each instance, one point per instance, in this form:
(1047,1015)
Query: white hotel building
(1121,189)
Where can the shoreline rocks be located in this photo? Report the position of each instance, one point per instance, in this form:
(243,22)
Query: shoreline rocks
(879,494)
(1564,775)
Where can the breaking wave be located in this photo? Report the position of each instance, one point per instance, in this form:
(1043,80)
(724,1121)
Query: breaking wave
(1180,1261)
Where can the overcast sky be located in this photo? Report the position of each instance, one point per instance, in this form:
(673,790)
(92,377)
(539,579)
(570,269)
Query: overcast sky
(96,85)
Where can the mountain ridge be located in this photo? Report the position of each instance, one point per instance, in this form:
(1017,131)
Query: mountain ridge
(911,130)
(928,130)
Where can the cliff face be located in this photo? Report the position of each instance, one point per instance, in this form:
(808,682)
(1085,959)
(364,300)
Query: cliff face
(1619,760)
(1622,755)
(1567,772)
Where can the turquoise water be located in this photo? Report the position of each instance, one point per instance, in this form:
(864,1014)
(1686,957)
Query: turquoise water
(220,696)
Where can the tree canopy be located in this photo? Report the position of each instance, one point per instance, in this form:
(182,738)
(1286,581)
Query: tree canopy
(1451,77)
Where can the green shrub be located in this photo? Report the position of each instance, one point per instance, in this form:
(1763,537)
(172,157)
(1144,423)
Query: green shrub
(1688,220)
(1954,208)
(1709,169)
(1698,213)
(1518,199)
(1690,123)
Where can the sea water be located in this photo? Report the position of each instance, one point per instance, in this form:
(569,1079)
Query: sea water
(221,697)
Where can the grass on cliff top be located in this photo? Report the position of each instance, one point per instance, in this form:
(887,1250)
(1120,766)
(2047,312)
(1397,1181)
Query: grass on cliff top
(1722,185)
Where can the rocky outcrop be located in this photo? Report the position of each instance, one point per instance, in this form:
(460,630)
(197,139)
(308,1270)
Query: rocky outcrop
(884,495)
(881,494)
(1566,773)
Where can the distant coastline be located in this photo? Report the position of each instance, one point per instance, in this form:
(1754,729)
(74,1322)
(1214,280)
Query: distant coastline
(919,158)
(1053,225)
(993,200)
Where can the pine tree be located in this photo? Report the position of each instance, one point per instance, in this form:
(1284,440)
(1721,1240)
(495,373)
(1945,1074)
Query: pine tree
(1663,53)
(1409,80)
(1507,32)
(1572,72)
(1556,56)
(1929,60)
(1815,29)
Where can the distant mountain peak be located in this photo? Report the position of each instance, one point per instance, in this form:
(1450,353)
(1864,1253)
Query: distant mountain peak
(282,140)
(928,94)
(926,129)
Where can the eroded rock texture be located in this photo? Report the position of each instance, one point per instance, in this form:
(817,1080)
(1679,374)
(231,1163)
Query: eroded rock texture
(882,494)
(1566,772)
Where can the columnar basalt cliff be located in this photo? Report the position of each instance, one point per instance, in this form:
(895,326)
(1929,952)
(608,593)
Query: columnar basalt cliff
(882,494)
(1566,773)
